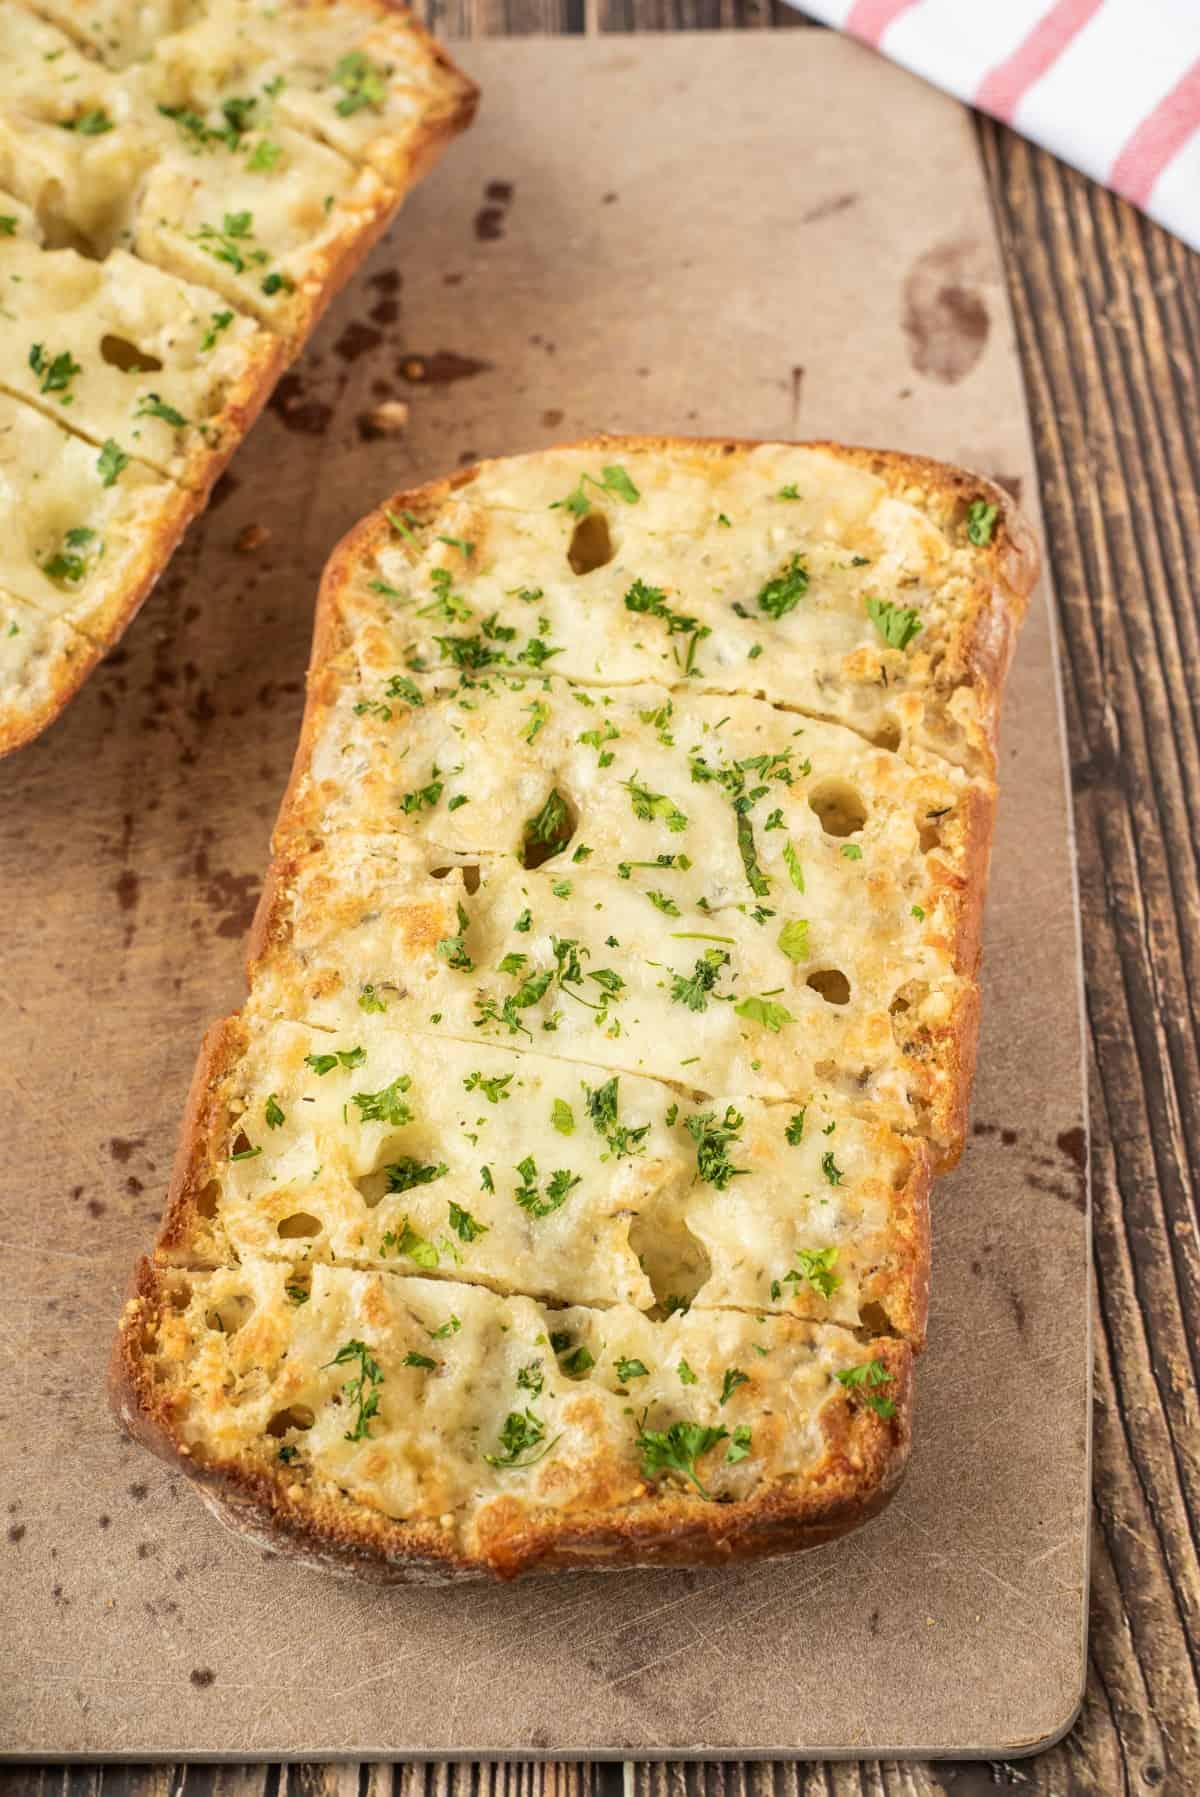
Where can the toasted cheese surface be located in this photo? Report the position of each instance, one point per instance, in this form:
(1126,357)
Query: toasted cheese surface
(157,368)
(184,184)
(40,655)
(560,1179)
(491,1420)
(75,537)
(830,584)
(560,1194)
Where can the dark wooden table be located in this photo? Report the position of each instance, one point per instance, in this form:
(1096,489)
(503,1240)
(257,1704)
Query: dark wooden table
(1108,315)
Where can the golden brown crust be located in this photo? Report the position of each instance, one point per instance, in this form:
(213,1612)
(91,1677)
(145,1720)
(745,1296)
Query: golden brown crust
(866,1457)
(451,112)
(866,1452)
(21,723)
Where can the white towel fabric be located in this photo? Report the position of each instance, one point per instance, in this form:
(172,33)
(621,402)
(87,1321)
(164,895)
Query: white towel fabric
(1112,86)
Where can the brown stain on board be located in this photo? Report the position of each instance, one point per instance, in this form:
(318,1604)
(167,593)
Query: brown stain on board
(356,340)
(296,411)
(945,317)
(489,220)
(442,368)
(827,208)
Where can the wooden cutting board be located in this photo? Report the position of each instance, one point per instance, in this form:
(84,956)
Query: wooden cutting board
(772,237)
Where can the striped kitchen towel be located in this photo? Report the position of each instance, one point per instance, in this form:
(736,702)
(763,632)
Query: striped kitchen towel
(1112,86)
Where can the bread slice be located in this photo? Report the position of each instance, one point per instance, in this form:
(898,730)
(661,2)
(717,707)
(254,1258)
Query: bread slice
(876,591)
(464,1160)
(423,1430)
(603,1033)
(835,989)
(41,658)
(181,213)
(80,539)
(162,371)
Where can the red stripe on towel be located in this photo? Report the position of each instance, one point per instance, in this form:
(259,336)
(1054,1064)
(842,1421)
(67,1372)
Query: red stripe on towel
(1002,88)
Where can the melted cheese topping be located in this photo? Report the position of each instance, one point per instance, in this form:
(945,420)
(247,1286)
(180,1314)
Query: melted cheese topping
(401,1393)
(38,656)
(462,1159)
(72,542)
(158,365)
(754,573)
(601,967)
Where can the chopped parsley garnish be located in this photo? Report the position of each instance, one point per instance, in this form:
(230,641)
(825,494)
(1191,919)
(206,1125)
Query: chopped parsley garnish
(793,939)
(231,244)
(782,594)
(648,805)
(864,1381)
(766,1012)
(816,1265)
(400,686)
(273,1112)
(664,903)
(686,1375)
(387,1105)
(8,225)
(851,851)
(369,1000)
(453,949)
(529,1196)
(791,491)
(423,797)
(464,1225)
(603,1107)
(363,83)
(739,1446)
(653,602)
(734,1377)
(628,1369)
(580,1360)
(111,462)
(221,321)
(549,828)
(363,1391)
(92,124)
(562,1117)
(795,1129)
(677,1450)
(522,1441)
(424,1361)
(264,156)
(692,989)
(406,1241)
(896,624)
(407,1172)
(713,1140)
(70,563)
(151,406)
(450,1327)
(791,861)
(981,521)
(246,1154)
(494,1088)
(613,479)
(539,715)
(56,372)
(531,1378)
(830,1168)
(322,1064)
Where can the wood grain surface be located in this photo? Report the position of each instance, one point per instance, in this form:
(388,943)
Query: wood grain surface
(1108,315)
